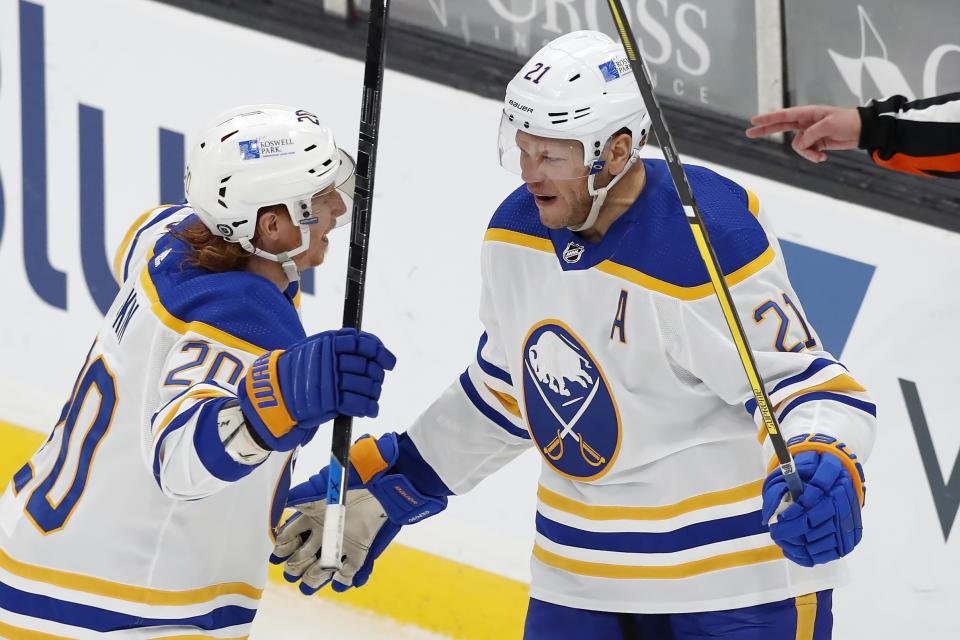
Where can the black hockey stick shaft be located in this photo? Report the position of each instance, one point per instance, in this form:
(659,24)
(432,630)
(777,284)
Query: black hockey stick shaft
(707,253)
(331,551)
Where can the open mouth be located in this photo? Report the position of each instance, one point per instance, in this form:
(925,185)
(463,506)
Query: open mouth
(544,199)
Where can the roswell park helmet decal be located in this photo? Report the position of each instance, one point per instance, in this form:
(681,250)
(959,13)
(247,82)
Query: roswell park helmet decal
(570,409)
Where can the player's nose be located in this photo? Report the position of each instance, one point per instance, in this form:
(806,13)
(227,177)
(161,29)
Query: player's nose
(531,172)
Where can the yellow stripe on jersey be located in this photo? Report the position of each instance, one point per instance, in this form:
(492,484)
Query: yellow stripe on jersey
(665,512)
(806,616)
(197,394)
(128,238)
(16,633)
(638,277)
(840,383)
(119,591)
(753,203)
(685,293)
(508,401)
(195,326)
(515,237)
(667,572)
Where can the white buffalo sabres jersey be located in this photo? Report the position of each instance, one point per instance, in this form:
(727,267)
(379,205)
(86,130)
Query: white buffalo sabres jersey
(132,520)
(613,360)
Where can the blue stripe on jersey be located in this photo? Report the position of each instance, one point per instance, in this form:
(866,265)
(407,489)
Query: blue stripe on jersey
(815,367)
(863,405)
(209,447)
(489,368)
(495,416)
(22,477)
(104,620)
(163,215)
(177,423)
(689,537)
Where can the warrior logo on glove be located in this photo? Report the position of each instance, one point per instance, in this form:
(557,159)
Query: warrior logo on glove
(570,409)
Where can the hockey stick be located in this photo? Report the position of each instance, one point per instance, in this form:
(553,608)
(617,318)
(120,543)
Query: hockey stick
(331,552)
(702,239)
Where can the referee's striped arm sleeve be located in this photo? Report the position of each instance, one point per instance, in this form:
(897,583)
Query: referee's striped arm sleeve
(921,137)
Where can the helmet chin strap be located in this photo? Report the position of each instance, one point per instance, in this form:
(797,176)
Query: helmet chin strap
(284,258)
(600,195)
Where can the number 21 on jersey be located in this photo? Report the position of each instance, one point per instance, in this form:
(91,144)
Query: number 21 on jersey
(761,313)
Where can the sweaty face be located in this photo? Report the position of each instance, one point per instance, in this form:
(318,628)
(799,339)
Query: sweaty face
(554,173)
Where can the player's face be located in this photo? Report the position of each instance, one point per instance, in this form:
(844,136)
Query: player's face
(327,206)
(554,173)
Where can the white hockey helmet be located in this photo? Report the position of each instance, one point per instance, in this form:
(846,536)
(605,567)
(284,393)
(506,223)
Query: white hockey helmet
(580,88)
(262,155)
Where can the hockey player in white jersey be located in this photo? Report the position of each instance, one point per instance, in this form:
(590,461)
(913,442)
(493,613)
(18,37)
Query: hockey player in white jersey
(606,350)
(150,510)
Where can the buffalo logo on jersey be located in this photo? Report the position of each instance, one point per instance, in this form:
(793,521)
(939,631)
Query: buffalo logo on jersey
(570,409)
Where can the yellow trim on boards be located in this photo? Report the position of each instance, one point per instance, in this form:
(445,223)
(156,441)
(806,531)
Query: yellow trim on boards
(411,586)
(19,445)
(666,572)
(665,512)
(195,326)
(431,592)
(515,237)
(806,616)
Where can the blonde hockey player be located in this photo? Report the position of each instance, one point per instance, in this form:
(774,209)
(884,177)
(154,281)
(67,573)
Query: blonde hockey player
(150,510)
(606,350)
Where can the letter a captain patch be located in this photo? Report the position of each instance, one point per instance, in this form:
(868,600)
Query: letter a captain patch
(620,319)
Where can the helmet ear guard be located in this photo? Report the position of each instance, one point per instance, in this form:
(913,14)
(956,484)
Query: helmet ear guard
(263,155)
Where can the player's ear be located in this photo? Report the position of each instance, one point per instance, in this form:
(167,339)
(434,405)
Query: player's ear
(620,147)
(268,222)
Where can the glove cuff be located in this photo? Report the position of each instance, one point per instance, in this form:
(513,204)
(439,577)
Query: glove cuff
(370,456)
(262,401)
(821,443)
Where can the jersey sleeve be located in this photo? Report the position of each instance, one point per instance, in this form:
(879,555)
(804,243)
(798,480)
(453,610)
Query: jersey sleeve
(810,390)
(920,137)
(475,427)
(141,235)
(182,443)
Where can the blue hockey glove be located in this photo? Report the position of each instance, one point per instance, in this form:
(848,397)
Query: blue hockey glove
(378,503)
(287,394)
(824,524)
